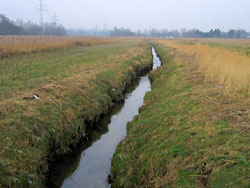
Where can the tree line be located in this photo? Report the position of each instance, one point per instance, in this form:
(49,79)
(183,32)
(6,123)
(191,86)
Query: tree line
(8,27)
(184,33)
(194,33)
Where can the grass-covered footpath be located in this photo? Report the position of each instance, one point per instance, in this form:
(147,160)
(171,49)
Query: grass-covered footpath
(186,134)
(76,86)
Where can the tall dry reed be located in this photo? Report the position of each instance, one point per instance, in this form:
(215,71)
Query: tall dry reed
(10,45)
(223,66)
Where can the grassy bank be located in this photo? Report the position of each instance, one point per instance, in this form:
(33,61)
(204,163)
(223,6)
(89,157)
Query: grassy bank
(190,133)
(76,86)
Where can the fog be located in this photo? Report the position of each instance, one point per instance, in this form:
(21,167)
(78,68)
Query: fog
(136,14)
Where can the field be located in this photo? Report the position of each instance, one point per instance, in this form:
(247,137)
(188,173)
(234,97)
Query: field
(75,85)
(10,45)
(222,61)
(193,130)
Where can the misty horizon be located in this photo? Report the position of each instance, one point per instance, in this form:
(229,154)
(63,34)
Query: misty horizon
(136,15)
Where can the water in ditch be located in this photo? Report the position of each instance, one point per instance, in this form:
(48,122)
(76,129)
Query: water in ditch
(90,165)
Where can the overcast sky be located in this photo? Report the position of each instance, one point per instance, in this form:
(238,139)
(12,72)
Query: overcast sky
(136,14)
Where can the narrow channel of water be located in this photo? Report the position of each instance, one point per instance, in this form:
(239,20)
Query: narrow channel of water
(90,166)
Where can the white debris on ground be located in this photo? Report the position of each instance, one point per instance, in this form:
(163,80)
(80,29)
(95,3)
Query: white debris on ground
(35,96)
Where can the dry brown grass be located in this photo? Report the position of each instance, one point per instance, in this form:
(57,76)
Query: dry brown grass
(221,104)
(224,66)
(233,42)
(10,45)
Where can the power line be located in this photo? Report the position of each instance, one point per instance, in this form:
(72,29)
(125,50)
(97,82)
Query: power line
(55,18)
(41,8)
